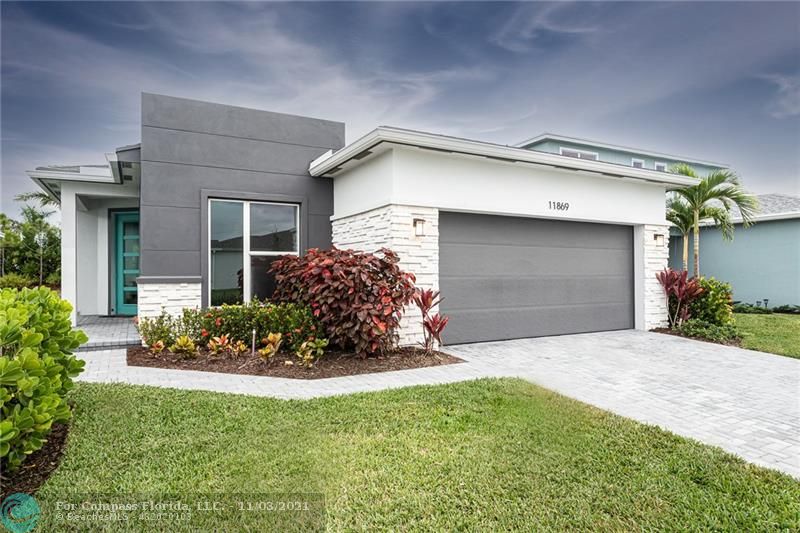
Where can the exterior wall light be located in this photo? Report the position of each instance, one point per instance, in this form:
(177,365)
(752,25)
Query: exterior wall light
(419,227)
(659,238)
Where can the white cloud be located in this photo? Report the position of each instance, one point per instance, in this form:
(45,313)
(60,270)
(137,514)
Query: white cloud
(787,99)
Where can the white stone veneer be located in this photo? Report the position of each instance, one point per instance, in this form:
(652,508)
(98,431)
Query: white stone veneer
(170,297)
(656,258)
(392,226)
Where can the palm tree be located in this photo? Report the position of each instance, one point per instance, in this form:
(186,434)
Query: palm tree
(682,217)
(44,199)
(720,190)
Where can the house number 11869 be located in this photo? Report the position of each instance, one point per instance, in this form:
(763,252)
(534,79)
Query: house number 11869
(558,206)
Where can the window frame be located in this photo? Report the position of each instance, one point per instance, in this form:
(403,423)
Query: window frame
(562,149)
(655,166)
(635,160)
(247,253)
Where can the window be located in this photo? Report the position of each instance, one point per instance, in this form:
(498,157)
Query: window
(578,154)
(244,239)
(660,167)
(637,163)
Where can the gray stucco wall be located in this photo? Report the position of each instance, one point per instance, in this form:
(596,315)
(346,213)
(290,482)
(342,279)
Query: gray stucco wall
(762,261)
(191,149)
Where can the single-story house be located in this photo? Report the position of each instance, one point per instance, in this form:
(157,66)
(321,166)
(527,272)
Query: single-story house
(762,262)
(521,242)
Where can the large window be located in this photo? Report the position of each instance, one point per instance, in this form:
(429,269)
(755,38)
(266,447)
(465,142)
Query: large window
(245,238)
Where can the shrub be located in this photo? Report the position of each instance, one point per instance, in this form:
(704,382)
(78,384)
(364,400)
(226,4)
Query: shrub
(311,351)
(358,297)
(680,291)
(715,303)
(53,279)
(271,346)
(185,346)
(790,309)
(157,329)
(294,322)
(750,309)
(705,330)
(36,369)
(15,281)
(432,325)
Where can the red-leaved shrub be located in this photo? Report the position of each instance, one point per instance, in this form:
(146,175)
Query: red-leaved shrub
(680,291)
(432,325)
(358,297)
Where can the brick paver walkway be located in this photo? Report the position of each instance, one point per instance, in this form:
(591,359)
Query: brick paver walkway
(743,401)
(108,331)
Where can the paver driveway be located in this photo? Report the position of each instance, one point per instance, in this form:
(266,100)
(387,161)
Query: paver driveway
(743,401)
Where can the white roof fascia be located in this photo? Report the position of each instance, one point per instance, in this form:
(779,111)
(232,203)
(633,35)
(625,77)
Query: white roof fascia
(323,164)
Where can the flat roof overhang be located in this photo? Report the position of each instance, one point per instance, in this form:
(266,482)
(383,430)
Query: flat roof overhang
(330,163)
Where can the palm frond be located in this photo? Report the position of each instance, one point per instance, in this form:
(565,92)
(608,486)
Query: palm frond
(41,197)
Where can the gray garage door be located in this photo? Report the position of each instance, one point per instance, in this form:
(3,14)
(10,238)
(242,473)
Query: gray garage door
(511,277)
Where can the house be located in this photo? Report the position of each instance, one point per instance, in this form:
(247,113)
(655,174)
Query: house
(521,242)
(762,262)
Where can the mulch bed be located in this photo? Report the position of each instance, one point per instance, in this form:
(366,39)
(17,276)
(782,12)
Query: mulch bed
(736,342)
(333,364)
(39,465)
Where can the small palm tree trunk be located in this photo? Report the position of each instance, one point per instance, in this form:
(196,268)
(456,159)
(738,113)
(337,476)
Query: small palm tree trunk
(697,244)
(686,251)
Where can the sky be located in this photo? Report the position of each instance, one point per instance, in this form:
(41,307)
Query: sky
(715,81)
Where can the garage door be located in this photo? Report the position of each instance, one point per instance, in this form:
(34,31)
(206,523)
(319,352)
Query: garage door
(509,277)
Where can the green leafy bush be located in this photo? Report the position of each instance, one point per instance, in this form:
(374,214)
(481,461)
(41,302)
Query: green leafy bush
(36,369)
(235,323)
(789,309)
(715,303)
(15,281)
(751,309)
(712,332)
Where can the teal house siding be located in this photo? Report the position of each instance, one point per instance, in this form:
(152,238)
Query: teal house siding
(762,262)
(618,157)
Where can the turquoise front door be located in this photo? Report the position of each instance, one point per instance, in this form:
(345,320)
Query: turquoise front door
(127,261)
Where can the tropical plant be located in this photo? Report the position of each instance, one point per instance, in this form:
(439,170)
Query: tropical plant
(682,217)
(31,247)
(679,291)
(15,281)
(218,344)
(718,190)
(358,297)
(36,369)
(237,348)
(715,303)
(185,346)
(272,343)
(157,347)
(432,325)
(156,329)
(41,197)
(311,351)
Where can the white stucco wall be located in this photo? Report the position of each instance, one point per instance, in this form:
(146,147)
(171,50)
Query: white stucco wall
(409,176)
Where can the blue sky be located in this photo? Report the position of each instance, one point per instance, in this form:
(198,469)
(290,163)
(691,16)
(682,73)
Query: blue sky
(718,81)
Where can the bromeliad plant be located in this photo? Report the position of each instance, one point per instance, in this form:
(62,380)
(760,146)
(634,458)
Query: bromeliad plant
(358,297)
(185,346)
(680,291)
(432,325)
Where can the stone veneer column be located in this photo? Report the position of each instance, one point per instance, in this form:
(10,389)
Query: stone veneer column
(392,226)
(171,297)
(656,259)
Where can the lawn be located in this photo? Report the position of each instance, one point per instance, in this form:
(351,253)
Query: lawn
(485,455)
(775,333)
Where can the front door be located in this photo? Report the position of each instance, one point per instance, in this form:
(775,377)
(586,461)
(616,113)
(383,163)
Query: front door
(127,262)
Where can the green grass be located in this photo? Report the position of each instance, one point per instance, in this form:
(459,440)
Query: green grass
(776,333)
(485,455)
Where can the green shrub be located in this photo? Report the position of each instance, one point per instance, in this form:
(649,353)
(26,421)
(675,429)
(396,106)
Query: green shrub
(36,369)
(715,303)
(184,346)
(705,330)
(751,309)
(294,322)
(790,309)
(157,329)
(53,279)
(15,281)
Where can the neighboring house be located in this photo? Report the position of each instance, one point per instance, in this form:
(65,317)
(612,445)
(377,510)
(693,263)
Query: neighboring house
(521,242)
(762,262)
(611,153)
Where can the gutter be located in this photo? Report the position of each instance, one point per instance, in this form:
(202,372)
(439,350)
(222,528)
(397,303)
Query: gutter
(331,162)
